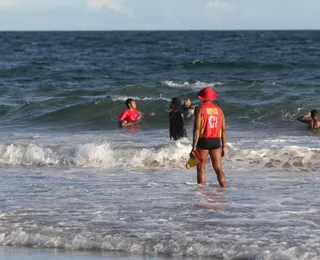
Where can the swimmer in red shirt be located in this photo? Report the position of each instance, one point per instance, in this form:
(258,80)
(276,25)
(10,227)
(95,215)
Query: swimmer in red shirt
(131,115)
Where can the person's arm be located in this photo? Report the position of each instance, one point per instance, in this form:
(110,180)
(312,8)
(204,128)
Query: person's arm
(170,126)
(183,127)
(142,115)
(122,118)
(181,130)
(223,135)
(196,127)
(192,110)
(305,118)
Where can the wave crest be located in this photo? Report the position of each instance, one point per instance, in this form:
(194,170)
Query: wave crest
(94,155)
(190,85)
(169,155)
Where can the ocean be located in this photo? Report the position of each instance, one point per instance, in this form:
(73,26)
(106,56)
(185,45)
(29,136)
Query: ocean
(73,185)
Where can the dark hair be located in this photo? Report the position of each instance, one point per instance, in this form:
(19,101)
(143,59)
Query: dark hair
(128,101)
(314,113)
(187,98)
(176,102)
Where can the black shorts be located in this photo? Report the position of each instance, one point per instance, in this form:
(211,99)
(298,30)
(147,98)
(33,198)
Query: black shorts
(209,143)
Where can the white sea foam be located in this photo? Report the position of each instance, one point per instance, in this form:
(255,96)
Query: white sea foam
(192,85)
(95,155)
(30,154)
(187,244)
(124,98)
(288,157)
(108,154)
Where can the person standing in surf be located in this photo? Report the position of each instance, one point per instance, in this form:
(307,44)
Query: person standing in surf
(131,115)
(312,119)
(209,136)
(177,128)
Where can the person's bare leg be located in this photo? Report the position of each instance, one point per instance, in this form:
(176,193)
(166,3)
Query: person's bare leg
(215,155)
(201,175)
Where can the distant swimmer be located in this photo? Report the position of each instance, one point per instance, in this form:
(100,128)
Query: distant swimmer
(312,119)
(131,115)
(209,136)
(188,109)
(176,122)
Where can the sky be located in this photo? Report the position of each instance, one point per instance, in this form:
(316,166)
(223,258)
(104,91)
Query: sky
(159,14)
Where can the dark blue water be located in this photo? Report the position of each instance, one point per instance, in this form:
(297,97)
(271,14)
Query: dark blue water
(79,80)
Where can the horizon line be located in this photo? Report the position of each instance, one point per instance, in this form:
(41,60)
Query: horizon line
(155,30)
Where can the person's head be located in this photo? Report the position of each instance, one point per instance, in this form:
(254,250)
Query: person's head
(314,113)
(207,94)
(175,103)
(130,103)
(187,102)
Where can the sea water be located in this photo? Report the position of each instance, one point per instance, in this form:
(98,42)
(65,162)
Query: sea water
(75,186)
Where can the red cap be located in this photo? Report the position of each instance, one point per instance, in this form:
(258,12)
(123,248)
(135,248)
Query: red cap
(207,94)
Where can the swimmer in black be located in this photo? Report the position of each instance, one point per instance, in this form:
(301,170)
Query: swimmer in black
(177,127)
(312,119)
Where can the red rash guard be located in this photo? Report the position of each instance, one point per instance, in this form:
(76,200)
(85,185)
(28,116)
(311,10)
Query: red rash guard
(211,121)
(129,115)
